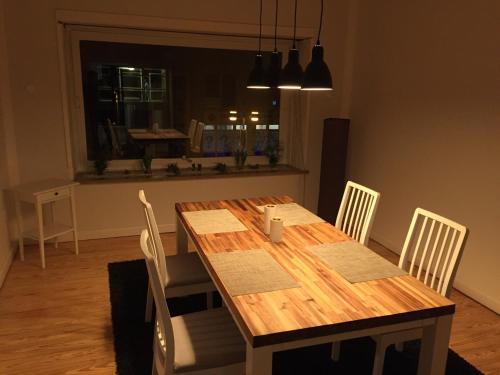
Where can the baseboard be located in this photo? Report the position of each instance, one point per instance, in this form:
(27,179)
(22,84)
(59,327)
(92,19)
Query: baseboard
(6,266)
(473,293)
(94,234)
(478,296)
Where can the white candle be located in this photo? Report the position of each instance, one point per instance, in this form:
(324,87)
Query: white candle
(269,213)
(276,229)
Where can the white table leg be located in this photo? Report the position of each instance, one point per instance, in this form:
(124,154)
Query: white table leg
(20,227)
(41,239)
(434,347)
(181,236)
(73,220)
(259,361)
(53,218)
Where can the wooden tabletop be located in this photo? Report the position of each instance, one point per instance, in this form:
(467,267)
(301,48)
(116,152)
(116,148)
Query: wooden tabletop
(162,134)
(325,303)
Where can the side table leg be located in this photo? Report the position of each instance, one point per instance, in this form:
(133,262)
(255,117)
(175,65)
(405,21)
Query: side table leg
(41,240)
(53,218)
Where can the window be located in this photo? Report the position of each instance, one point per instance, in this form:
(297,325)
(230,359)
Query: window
(170,101)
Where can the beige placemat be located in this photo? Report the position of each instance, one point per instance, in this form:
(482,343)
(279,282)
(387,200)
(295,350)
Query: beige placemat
(250,271)
(214,221)
(294,214)
(355,262)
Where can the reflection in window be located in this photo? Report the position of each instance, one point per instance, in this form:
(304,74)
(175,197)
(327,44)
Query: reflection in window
(172,101)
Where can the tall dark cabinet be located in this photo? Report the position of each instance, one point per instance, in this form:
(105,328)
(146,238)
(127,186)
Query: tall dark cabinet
(333,167)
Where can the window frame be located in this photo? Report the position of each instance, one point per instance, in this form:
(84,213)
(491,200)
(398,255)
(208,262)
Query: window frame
(76,33)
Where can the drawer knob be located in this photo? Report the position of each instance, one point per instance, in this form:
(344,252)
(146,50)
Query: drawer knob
(56,193)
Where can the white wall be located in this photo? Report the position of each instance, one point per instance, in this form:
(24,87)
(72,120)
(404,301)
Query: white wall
(8,158)
(426,124)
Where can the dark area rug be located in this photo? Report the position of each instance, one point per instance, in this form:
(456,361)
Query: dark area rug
(133,338)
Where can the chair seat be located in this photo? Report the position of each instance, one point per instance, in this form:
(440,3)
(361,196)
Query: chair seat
(206,339)
(185,269)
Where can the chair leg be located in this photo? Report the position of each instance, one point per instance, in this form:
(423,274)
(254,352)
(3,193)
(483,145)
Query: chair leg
(149,305)
(378,362)
(210,300)
(399,346)
(335,351)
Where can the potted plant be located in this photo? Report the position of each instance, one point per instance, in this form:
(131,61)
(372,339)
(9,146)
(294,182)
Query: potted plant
(240,157)
(147,160)
(273,153)
(174,169)
(101,162)
(221,167)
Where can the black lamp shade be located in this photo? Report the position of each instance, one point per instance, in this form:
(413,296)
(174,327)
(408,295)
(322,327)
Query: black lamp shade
(273,76)
(317,75)
(257,78)
(291,75)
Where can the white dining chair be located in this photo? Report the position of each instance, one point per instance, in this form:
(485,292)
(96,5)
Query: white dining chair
(192,131)
(198,138)
(357,211)
(181,274)
(431,253)
(202,343)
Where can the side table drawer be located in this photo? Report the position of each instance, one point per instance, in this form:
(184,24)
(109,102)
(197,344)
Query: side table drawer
(54,195)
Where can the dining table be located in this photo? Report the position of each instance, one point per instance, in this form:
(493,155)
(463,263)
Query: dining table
(167,136)
(316,304)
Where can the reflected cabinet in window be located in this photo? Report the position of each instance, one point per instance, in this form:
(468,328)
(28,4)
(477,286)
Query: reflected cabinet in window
(171,101)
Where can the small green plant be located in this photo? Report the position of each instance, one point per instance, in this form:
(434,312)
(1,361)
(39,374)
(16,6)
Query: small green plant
(221,167)
(173,168)
(253,166)
(240,157)
(273,153)
(100,166)
(147,160)
(101,162)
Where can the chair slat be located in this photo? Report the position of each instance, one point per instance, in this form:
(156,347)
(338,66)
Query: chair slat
(433,251)
(445,263)
(440,255)
(414,258)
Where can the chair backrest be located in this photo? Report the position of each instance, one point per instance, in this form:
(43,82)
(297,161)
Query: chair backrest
(437,250)
(114,138)
(357,211)
(163,332)
(196,147)
(192,130)
(154,235)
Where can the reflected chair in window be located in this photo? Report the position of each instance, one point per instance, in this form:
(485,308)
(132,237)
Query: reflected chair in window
(181,274)
(204,342)
(196,146)
(431,253)
(357,211)
(192,131)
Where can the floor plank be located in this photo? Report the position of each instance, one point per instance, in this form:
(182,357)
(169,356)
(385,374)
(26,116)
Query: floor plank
(57,320)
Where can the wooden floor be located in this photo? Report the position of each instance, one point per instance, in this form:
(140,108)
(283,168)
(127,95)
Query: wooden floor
(57,321)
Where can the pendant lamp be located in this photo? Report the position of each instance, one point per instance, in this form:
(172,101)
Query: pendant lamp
(317,76)
(274,71)
(291,75)
(257,78)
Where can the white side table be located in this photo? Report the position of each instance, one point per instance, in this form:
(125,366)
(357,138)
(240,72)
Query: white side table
(45,192)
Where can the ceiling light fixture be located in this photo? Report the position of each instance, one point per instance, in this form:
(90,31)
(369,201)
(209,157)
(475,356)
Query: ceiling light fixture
(291,75)
(257,77)
(317,76)
(275,65)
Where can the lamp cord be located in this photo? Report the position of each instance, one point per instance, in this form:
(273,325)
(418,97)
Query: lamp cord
(294,24)
(320,22)
(260,28)
(275,26)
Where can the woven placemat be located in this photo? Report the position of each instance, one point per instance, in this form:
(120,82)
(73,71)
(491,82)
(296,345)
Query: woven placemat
(355,262)
(294,214)
(214,221)
(250,271)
